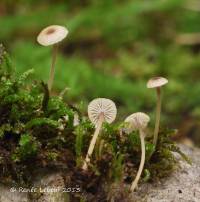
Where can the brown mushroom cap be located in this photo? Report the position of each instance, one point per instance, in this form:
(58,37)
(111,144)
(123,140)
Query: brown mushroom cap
(156,82)
(103,106)
(52,35)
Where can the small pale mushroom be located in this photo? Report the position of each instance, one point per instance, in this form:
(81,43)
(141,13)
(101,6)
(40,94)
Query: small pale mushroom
(52,35)
(138,122)
(157,83)
(100,110)
(76,120)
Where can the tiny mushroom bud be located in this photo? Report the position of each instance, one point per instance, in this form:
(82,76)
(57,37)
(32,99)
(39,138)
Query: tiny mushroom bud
(157,82)
(76,120)
(99,110)
(52,35)
(138,121)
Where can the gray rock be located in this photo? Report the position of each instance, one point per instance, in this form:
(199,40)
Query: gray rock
(48,188)
(11,194)
(51,188)
(182,186)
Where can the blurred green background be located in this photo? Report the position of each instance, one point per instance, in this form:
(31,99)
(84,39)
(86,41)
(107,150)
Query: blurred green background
(112,49)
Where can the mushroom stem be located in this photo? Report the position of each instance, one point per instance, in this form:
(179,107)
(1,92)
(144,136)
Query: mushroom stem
(93,142)
(52,71)
(158,111)
(135,182)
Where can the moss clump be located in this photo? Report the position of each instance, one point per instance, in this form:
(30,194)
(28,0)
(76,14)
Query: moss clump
(39,130)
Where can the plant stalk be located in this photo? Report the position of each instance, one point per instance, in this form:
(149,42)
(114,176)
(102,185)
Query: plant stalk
(158,112)
(93,142)
(135,182)
(52,71)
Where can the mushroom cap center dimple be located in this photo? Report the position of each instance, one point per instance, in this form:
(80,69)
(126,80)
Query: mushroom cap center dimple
(155,78)
(52,35)
(50,31)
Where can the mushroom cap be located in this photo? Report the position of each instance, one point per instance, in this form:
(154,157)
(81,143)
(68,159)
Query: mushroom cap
(156,82)
(137,121)
(52,35)
(101,106)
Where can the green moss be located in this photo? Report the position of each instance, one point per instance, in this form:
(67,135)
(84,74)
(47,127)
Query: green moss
(162,161)
(28,148)
(38,129)
(82,133)
(52,155)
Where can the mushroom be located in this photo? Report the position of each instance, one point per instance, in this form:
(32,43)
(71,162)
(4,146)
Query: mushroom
(76,120)
(138,121)
(99,110)
(52,35)
(157,82)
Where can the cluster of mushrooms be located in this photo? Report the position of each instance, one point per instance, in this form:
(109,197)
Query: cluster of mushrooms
(102,110)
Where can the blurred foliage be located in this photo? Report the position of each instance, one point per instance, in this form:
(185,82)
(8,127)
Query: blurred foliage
(113,48)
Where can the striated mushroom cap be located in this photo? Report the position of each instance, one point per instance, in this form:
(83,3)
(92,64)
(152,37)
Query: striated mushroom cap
(156,82)
(102,106)
(137,121)
(52,35)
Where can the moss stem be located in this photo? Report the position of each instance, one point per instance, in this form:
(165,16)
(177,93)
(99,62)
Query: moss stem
(52,71)
(135,182)
(93,142)
(158,112)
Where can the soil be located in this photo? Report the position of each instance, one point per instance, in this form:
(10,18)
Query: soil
(182,186)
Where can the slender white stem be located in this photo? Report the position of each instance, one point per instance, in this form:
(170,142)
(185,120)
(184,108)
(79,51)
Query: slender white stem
(158,111)
(93,142)
(52,71)
(135,182)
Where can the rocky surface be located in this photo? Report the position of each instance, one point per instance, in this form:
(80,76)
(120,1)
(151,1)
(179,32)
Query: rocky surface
(182,186)
(48,188)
